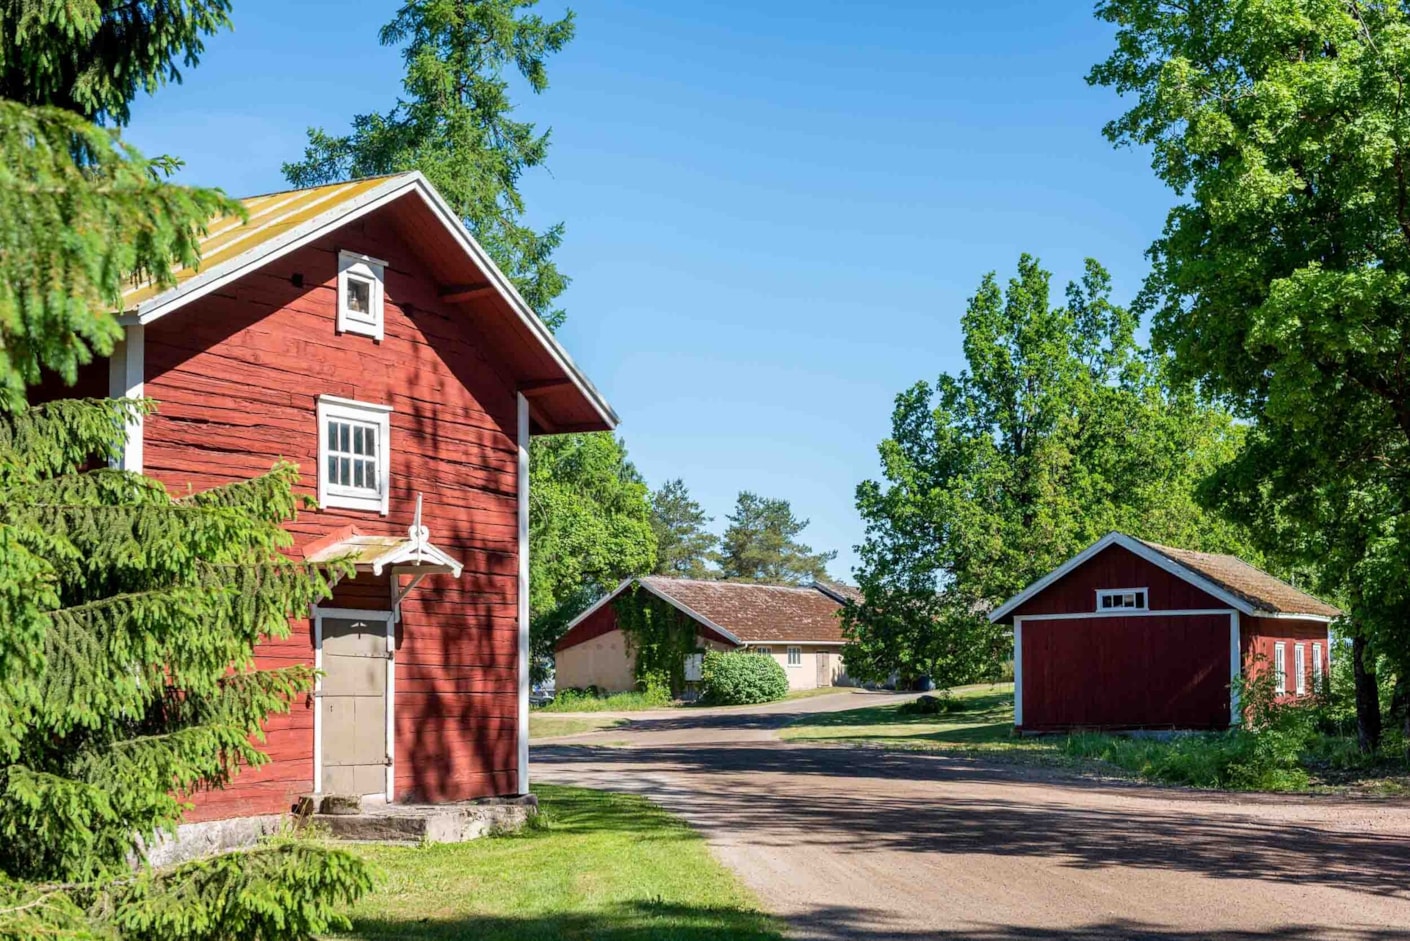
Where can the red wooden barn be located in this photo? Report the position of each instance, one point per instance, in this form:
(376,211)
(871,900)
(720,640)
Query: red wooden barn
(358,330)
(1130,634)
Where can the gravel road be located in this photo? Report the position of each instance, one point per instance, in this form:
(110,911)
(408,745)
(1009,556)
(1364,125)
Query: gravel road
(856,843)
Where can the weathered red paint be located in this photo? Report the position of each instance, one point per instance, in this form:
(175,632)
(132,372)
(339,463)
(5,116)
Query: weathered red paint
(1157,670)
(1258,635)
(237,374)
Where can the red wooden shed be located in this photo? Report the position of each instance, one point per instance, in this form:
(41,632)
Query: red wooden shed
(1129,634)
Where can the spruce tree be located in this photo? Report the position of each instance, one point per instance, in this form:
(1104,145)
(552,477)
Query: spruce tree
(128,617)
(683,544)
(761,544)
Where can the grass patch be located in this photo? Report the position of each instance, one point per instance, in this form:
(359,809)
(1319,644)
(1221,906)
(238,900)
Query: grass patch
(572,700)
(600,867)
(979,720)
(554,726)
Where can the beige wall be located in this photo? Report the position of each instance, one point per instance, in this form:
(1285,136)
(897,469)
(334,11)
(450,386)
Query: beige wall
(603,662)
(821,666)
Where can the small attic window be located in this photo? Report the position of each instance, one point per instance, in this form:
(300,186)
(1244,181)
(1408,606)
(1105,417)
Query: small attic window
(1118,599)
(360,294)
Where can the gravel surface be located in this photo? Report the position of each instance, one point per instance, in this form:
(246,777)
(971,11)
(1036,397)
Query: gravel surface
(851,843)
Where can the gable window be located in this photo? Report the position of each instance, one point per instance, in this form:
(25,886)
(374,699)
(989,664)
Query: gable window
(1300,669)
(1117,599)
(1317,668)
(1280,667)
(353,447)
(795,656)
(360,294)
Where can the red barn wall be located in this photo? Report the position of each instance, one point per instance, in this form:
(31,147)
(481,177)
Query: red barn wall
(237,374)
(1150,671)
(1117,567)
(1258,635)
(602,621)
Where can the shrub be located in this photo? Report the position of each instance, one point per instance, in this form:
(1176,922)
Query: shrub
(930,706)
(594,700)
(735,679)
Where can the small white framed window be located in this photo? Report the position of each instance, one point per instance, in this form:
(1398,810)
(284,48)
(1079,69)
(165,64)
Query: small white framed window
(354,441)
(1121,599)
(795,656)
(1280,668)
(361,297)
(1300,669)
(766,651)
(1316,668)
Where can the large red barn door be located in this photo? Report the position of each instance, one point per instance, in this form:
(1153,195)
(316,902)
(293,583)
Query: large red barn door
(1122,672)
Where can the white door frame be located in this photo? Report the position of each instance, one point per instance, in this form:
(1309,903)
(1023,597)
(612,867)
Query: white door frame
(354,614)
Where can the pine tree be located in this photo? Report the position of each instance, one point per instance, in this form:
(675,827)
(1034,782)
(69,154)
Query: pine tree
(761,544)
(128,618)
(683,545)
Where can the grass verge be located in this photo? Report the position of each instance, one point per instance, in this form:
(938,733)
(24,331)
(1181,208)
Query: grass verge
(980,722)
(575,701)
(601,867)
(549,726)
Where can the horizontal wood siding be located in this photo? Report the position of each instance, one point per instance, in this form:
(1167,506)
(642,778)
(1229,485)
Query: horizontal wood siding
(1258,635)
(1126,672)
(237,374)
(1116,567)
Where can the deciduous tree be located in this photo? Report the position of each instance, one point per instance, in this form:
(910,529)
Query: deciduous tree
(1282,279)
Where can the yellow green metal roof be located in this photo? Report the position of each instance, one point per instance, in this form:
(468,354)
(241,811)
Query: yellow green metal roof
(269,216)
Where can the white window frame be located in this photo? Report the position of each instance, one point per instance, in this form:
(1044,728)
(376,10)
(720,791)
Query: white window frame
(1280,668)
(1105,592)
(332,407)
(1300,669)
(1316,667)
(766,651)
(795,656)
(352,265)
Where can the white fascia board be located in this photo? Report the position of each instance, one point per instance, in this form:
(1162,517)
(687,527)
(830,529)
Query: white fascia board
(1136,547)
(301,235)
(592,608)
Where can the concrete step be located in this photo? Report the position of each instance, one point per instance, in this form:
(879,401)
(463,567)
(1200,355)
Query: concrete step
(426,823)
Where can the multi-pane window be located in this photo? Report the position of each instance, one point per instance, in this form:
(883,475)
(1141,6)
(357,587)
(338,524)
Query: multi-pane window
(1133,599)
(1316,668)
(1300,669)
(1280,667)
(360,294)
(766,651)
(795,656)
(353,446)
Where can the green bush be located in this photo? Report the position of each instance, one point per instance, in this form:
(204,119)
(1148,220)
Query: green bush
(594,700)
(735,679)
(931,705)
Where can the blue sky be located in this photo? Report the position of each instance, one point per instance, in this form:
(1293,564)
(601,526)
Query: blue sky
(775,211)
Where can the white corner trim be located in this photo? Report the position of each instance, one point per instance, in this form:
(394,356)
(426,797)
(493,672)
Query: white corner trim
(366,413)
(1236,662)
(393,188)
(317,614)
(127,380)
(1018,672)
(523,592)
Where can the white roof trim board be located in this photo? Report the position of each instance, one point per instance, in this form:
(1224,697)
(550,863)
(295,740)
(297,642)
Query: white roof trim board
(346,211)
(1144,551)
(688,612)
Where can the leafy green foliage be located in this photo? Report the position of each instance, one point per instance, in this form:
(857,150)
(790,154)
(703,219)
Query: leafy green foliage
(761,544)
(589,528)
(736,679)
(659,635)
(1060,430)
(683,545)
(129,683)
(1280,281)
(591,700)
(92,57)
(455,124)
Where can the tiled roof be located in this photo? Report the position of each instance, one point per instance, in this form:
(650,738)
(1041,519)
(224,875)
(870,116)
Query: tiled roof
(1255,586)
(758,613)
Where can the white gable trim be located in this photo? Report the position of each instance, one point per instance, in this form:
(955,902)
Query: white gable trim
(395,187)
(1145,552)
(692,614)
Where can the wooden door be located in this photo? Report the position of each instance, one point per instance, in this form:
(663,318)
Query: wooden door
(353,706)
(824,660)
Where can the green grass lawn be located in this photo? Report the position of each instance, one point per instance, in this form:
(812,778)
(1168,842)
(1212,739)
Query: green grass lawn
(551,726)
(570,701)
(603,867)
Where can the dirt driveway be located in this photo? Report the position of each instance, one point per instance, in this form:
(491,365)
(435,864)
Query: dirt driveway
(859,843)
